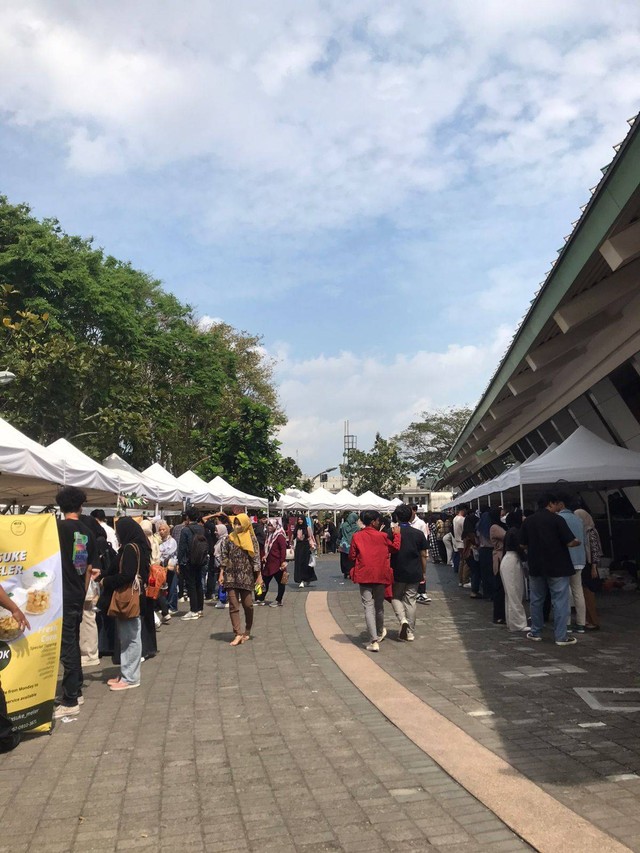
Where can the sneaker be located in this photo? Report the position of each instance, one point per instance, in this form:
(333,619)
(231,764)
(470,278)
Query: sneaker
(262,603)
(199,614)
(275,604)
(423,599)
(570,641)
(86,664)
(220,605)
(404,629)
(156,619)
(383,635)
(410,636)
(579,629)
(173,612)
(372,647)
(80,701)
(535,637)
(166,619)
(61,711)
(123,685)
(113,681)
(188,616)
(466,585)
(301,585)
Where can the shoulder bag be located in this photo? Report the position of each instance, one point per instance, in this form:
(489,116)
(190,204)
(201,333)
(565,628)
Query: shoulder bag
(125,602)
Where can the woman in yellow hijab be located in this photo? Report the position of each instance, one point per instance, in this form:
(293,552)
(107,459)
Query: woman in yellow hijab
(239,573)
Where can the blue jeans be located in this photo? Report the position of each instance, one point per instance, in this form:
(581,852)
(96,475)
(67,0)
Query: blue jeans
(559,589)
(129,632)
(172,593)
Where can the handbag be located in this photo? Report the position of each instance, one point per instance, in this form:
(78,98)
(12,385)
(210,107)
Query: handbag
(157,579)
(285,577)
(290,554)
(125,602)
(312,561)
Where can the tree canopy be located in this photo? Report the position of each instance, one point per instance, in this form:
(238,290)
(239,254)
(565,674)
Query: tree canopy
(381,470)
(109,360)
(425,444)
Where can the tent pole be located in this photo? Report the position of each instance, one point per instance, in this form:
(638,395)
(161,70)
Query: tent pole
(501,501)
(489,498)
(521,497)
(606,498)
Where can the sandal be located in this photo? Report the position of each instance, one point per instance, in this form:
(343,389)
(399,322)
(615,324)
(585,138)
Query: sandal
(237,640)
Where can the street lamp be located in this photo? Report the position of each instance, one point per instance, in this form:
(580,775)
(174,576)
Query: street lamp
(326,471)
(6,376)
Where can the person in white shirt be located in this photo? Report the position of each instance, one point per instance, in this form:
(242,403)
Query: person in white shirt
(418,524)
(109,532)
(458,545)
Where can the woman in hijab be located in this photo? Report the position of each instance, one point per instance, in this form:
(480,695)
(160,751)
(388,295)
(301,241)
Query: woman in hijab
(512,574)
(240,573)
(221,532)
(133,558)
(303,573)
(348,527)
(590,576)
(274,564)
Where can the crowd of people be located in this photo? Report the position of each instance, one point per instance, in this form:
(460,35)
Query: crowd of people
(121,585)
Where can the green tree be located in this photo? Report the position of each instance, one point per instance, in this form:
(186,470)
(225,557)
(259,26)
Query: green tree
(425,443)
(382,470)
(106,358)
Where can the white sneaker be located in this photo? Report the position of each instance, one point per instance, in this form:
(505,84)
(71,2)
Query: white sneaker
(373,647)
(410,635)
(61,711)
(188,616)
(301,585)
(383,635)
(166,619)
(466,586)
(156,619)
(199,614)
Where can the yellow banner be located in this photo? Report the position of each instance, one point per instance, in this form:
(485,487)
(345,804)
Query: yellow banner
(31,574)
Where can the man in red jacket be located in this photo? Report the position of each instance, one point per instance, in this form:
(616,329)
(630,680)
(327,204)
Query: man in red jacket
(370,551)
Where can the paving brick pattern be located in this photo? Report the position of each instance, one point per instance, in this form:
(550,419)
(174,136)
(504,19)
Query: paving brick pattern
(518,698)
(265,747)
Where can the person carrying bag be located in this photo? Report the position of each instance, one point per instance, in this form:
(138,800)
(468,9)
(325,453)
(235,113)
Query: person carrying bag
(134,558)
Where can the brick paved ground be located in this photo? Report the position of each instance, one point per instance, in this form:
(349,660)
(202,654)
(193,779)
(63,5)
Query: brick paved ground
(518,698)
(257,748)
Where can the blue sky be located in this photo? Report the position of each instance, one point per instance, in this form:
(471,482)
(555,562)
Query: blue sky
(375,187)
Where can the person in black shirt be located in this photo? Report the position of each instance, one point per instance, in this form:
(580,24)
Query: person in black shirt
(547,538)
(78,555)
(409,568)
(191,572)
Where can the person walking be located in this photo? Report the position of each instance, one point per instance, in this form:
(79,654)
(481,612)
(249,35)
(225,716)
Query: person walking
(409,567)
(303,572)
(134,558)
(274,564)
(240,574)
(348,527)
(193,557)
(547,539)
(370,552)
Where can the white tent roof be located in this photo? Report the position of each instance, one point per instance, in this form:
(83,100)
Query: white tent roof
(82,471)
(201,494)
(348,500)
(292,499)
(369,500)
(583,458)
(224,493)
(322,498)
(28,472)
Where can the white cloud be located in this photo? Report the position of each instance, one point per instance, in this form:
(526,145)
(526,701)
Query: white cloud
(316,114)
(373,394)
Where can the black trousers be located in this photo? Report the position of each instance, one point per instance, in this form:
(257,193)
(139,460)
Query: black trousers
(267,581)
(70,653)
(193,582)
(8,738)
(498,599)
(486,572)
(345,564)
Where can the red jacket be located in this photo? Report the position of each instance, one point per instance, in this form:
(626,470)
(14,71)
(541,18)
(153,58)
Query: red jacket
(370,551)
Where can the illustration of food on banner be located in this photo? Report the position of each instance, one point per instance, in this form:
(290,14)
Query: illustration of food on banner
(31,575)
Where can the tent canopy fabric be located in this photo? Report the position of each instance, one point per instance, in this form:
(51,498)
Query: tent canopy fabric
(150,487)
(322,498)
(82,471)
(177,493)
(583,458)
(369,500)
(225,493)
(28,472)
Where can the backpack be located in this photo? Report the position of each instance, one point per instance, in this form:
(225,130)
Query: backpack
(198,548)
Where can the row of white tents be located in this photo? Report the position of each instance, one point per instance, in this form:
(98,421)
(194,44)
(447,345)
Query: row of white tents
(32,474)
(583,458)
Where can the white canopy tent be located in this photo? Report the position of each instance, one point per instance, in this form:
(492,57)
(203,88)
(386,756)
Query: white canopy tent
(224,493)
(369,500)
(323,499)
(292,499)
(82,471)
(161,475)
(583,458)
(29,474)
(157,491)
(348,499)
(198,487)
